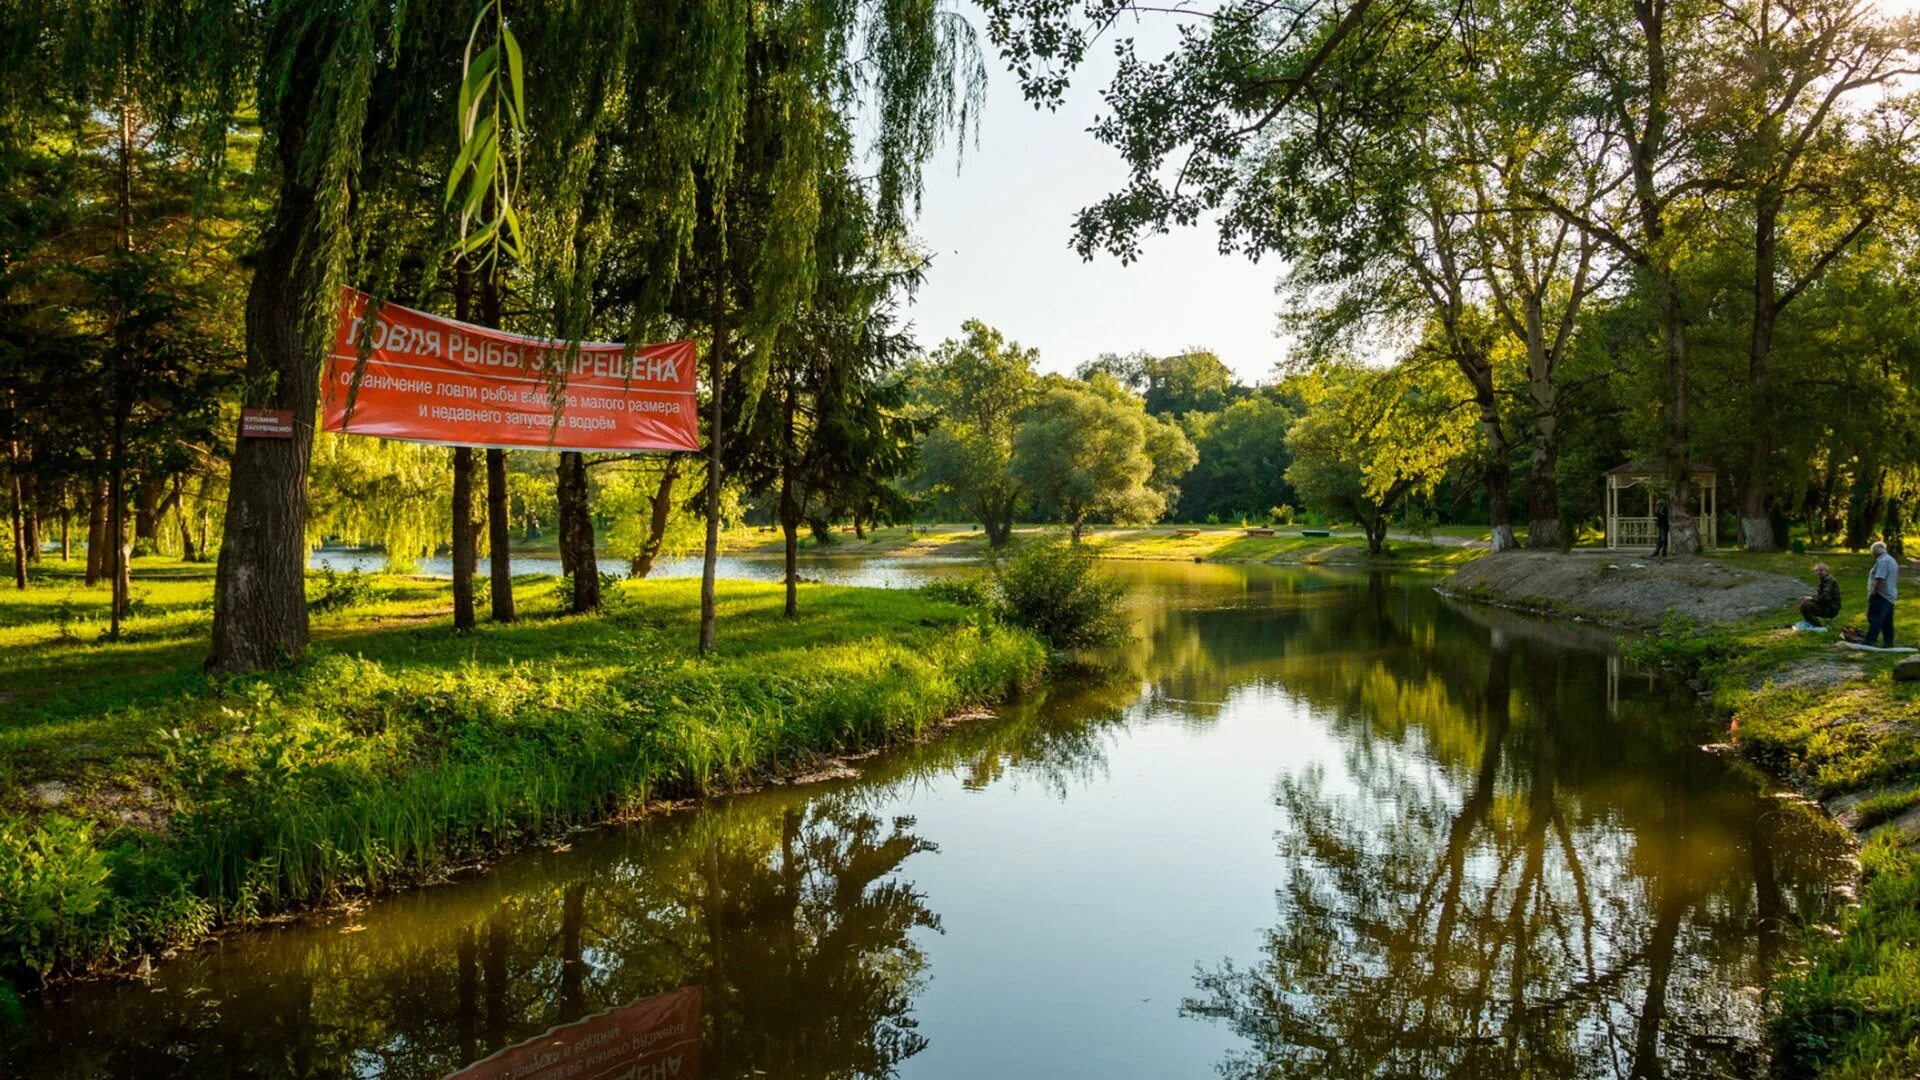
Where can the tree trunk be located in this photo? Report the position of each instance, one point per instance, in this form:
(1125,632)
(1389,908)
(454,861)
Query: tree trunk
(1543,478)
(790,512)
(146,512)
(19,536)
(97,561)
(1376,529)
(1683,533)
(259,599)
(499,528)
(662,506)
(1499,453)
(187,551)
(465,540)
(859,528)
(30,517)
(716,432)
(117,507)
(499,560)
(576,531)
(1079,526)
(66,531)
(1756,525)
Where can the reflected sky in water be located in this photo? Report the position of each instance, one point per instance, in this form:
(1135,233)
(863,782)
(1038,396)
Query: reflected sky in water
(1318,823)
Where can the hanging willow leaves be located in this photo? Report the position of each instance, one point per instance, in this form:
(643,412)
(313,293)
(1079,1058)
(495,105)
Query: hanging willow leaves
(491,115)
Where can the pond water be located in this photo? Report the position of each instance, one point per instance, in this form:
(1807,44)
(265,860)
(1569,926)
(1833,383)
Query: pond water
(1322,823)
(879,571)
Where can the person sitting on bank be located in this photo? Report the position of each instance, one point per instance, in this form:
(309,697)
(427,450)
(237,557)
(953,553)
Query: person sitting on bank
(1883,588)
(1824,604)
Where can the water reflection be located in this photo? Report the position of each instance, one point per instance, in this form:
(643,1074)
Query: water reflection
(1473,851)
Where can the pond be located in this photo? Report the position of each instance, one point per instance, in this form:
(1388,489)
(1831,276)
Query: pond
(879,571)
(1320,823)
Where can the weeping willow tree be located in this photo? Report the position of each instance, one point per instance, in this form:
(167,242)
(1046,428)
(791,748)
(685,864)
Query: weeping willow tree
(379,493)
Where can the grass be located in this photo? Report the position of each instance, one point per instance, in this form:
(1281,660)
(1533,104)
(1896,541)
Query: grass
(1852,735)
(143,801)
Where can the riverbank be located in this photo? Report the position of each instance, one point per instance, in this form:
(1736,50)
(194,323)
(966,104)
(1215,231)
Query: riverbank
(1283,545)
(143,803)
(1831,721)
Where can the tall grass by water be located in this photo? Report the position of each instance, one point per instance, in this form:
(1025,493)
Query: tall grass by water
(151,802)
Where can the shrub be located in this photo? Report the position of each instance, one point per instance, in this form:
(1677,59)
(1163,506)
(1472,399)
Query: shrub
(1280,515)
(338,592)
(564,590)
(972,591)
(1055,590)
(53,884)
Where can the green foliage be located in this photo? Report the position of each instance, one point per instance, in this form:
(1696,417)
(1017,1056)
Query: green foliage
(398,748)
(564,589)
(1057,591)
(1080,453)
(53,892)
(974,389)
(1853,1013)
(332,591)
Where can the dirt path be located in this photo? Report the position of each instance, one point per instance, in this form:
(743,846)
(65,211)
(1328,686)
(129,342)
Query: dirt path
(1625,589)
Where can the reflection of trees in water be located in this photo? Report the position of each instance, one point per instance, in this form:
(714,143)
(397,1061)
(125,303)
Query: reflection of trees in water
(797,924)
(1518,905)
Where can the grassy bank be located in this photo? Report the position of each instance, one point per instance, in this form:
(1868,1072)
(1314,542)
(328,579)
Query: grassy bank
(1831,721)
(142,802)
(1207,543)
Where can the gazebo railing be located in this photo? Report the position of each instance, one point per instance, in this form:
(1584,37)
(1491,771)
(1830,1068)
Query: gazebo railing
(1635,532)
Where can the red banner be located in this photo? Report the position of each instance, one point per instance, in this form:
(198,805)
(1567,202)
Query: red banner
(434,380)
(658,1037)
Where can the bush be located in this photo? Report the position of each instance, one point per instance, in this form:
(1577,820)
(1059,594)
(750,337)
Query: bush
(1280,515)
(971,591)
(564,590)
(338,592)
(53,885)
(1055,590)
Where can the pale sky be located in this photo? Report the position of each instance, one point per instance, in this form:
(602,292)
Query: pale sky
(999,232)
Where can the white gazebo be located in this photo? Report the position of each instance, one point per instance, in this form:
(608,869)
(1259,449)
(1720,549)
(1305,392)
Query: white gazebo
(1640,532)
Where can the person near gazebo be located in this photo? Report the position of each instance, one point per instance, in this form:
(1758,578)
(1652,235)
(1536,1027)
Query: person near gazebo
(1662,522)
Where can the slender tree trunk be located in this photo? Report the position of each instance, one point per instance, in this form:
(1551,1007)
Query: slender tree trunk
(187,551)
(1756,525)
(465,538)
(499,560)
(97,562)
(1499,453)
(259,599)
(30,517)
(19,536)
(465,554)
(117,510)
(790,512)
(1079,526)
(716,438)
(576,531)
(66,529)
(499,527)
(662,507)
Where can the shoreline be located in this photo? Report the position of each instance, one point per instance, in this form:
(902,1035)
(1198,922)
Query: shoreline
(399,753)
(1831,726)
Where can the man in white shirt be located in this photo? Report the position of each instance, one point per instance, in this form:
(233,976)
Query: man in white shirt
(1883,588)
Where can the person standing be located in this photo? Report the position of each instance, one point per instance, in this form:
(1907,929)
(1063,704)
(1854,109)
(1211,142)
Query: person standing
(1824,604)
(1662,520)
(1883,588)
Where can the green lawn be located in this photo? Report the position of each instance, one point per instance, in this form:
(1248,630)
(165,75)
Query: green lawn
(161,801)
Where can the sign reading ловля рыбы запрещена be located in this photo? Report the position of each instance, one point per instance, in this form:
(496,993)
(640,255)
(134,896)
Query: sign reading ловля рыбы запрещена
(434,380)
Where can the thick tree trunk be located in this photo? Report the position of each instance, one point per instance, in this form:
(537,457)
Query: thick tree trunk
(499,560)
(465,540)
(146,512)
(1079,527)
(662,513)
(1543,478)
(576,532)
(259,598)
(1683,532)
(1377,533)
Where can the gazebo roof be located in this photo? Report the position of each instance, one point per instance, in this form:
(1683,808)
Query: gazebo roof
(1632,469)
